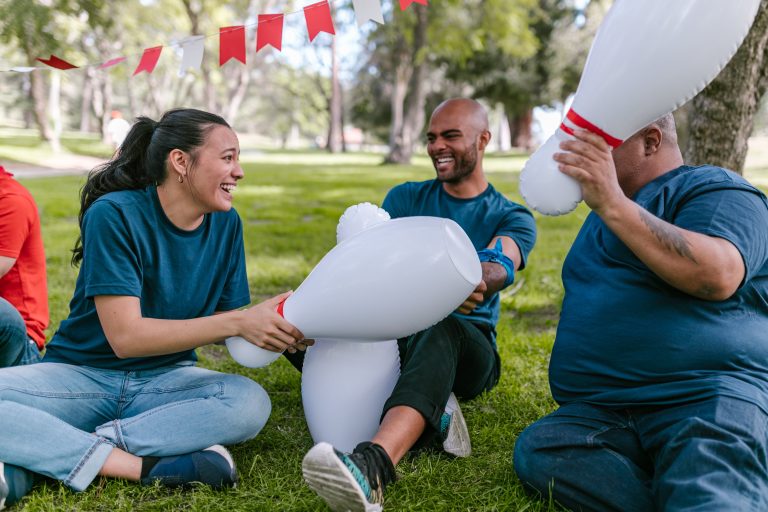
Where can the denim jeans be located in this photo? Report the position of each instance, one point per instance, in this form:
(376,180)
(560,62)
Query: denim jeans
(63,421)
(454,355)
(708,455)
(15,346)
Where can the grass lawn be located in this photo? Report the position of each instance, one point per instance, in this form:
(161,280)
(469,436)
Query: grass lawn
(290,204)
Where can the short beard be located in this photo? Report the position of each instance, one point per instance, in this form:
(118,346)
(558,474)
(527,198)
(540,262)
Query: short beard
(464,167)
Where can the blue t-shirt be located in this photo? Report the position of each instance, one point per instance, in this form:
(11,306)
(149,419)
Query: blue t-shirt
(131,248)
(482,217)
(627,338)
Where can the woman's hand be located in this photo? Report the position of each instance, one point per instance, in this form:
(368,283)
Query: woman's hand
(265,328)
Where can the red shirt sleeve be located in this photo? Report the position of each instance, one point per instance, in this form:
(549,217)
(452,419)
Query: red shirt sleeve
(15,222)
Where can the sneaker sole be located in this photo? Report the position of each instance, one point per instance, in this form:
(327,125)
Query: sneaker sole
(329,477)
(458,443)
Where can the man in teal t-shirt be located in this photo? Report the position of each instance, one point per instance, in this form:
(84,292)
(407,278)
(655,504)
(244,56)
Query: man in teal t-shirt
(660,363)
(458,355)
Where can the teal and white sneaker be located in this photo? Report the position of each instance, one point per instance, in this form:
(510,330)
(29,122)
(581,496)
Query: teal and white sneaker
(349,482)
(15,483)
(453,430)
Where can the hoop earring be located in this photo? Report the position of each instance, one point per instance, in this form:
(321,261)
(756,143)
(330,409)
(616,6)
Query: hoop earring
(181,179)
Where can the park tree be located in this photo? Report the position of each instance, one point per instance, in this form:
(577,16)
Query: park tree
(546,76)
(409,51)
(30,25)
(721,117)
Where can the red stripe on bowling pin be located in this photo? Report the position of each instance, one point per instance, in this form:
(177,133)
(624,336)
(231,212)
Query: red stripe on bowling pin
(280,308)
(580,122)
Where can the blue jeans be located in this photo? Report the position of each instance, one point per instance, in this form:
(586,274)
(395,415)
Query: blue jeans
(15,346)
(63,420)
(708,455)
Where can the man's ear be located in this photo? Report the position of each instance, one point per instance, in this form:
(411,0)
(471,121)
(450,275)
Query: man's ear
(178,161)
(485,138)
(652,139)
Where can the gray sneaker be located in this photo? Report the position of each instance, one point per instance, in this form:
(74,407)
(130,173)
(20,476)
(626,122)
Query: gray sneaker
(15,483)
(349,482)
(453,430)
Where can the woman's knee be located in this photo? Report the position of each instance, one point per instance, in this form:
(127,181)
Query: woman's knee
(249,404)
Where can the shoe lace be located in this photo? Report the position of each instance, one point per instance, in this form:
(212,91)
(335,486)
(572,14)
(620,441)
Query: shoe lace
(372,468)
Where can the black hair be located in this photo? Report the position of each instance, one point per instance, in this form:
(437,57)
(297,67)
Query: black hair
(141,159)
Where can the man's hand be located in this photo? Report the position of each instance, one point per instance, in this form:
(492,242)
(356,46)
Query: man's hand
(589,161)
(475,298)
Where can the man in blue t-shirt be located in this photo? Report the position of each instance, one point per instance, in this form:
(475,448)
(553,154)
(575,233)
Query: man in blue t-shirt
(458,355)
(660,363)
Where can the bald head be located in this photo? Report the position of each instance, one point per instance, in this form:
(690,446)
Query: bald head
(471,113)
(456,140)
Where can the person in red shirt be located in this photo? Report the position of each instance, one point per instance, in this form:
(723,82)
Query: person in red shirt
(23,287)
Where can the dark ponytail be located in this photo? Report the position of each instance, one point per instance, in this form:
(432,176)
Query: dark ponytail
(141,159)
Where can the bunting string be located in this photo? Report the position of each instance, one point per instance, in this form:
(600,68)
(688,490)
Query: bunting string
(232,39)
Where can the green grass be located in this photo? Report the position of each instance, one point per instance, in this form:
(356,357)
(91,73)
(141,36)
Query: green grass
(290,203)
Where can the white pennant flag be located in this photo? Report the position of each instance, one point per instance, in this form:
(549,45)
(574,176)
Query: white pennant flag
(368,10)
(193,48)
(23,69)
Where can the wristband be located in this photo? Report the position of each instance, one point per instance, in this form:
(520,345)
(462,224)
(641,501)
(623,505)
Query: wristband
(496,255)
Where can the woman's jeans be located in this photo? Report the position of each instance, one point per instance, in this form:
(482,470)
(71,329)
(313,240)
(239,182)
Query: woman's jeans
(63,420)
(708,455)
(15,346)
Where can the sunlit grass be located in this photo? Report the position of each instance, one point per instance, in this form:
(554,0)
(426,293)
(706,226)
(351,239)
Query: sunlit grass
(290,204)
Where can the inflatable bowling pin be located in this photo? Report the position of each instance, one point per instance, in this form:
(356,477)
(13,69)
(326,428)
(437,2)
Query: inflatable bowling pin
(248,354)
(388,281)
(648,58)
(344,384)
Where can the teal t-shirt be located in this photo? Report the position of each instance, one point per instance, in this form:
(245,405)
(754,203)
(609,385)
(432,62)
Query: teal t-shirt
(131,248)
(483,217)
(627,338)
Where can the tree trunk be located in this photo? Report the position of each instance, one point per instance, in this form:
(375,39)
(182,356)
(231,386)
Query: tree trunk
(722,115)
(520,134)
(54,104)
(334,104)
(402,140)
(40,104)
(85,102)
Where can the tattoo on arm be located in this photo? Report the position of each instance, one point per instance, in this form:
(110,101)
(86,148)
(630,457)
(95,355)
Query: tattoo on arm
(668,235)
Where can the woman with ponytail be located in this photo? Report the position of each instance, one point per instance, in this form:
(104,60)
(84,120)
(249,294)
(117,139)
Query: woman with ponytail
(162,272)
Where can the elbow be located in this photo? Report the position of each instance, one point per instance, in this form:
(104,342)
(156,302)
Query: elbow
(719,286)
(120,346)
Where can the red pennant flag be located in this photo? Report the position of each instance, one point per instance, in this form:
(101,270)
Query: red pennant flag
(405,3)
(231,44)
(270,31)
(148,60)
(112,62)
(318,18)
(57,63)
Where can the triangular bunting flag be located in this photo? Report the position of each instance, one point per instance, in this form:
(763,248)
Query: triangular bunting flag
(368,10)
(57,63)
(405,3)
(318,18)
(112,62)
(22,69)
(231,44)
(193,48)
(270,31)
(148,60)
